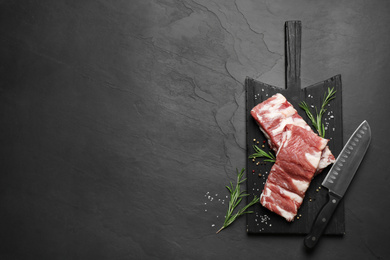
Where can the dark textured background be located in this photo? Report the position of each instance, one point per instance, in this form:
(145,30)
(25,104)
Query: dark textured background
(122,121)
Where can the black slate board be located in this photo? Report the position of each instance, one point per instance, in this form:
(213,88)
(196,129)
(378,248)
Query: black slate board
(263,221)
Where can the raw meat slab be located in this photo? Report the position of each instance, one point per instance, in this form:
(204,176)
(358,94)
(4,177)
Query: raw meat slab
(264,221)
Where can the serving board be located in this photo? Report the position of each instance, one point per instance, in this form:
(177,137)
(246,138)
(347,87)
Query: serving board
(263,221)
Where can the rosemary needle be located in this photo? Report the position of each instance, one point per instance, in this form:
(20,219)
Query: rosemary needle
(262,153)
(317,120)
(236,196)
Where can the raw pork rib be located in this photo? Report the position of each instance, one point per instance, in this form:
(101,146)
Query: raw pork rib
(296,164)
(273,114)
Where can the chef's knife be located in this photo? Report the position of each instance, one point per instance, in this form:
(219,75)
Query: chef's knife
(339,178)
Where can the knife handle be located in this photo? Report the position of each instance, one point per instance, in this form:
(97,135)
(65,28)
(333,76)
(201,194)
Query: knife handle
(322,220)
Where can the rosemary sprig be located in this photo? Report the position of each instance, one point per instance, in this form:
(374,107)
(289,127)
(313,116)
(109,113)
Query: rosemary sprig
(236,196)
(317,120)
(262,153)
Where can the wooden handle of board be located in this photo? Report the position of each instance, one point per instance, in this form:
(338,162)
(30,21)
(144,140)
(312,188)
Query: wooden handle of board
(293,34)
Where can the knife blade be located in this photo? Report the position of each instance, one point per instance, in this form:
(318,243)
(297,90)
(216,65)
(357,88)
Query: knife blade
(339,178)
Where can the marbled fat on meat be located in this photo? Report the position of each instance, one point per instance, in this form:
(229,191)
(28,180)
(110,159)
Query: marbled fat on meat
(273,114)
(300,155)
(296,164)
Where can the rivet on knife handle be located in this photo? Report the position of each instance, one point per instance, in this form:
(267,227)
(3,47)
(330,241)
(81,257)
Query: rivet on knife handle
(322,220)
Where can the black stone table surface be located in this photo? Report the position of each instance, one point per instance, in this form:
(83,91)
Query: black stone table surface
(122,122)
